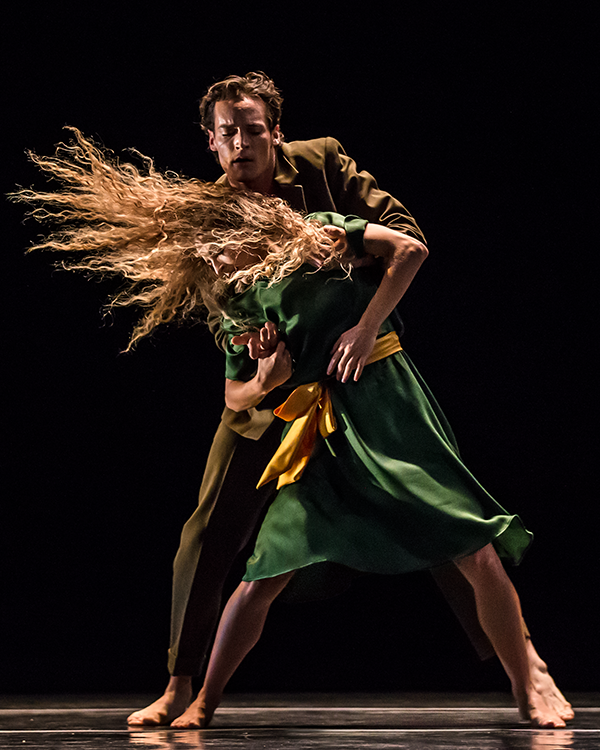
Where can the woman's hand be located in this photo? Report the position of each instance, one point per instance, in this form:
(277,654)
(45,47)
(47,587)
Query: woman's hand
(273,370)
(340,245)
(351,352)
(261,344)
(338,235)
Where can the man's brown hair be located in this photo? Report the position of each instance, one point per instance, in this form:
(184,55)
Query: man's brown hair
(256,85)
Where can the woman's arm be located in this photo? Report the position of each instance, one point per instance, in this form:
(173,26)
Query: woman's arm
(272,372)
(274,361)
(402,256)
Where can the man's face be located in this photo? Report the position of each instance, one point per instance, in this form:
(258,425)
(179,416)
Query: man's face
(245,145)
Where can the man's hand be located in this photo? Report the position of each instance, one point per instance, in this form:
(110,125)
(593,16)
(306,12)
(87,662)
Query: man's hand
(261,344)
(402,256)
(351,352)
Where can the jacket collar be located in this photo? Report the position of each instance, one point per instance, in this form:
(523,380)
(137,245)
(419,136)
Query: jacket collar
(285,182)
(285,179)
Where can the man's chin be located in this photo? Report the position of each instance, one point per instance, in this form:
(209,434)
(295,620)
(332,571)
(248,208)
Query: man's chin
(240,174)
(245,168)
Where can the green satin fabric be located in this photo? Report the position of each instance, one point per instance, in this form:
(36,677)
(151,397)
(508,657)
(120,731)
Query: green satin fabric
(387,492)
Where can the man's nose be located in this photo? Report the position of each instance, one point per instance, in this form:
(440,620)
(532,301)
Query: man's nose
(239,139)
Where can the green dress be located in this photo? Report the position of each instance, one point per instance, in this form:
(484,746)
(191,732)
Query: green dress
(387,492)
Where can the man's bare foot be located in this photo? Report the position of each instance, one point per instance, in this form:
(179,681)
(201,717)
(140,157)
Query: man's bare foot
(169,706)
(198,714)
(543,684)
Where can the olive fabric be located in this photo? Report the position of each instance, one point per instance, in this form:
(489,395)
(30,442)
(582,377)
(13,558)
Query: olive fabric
(318,175)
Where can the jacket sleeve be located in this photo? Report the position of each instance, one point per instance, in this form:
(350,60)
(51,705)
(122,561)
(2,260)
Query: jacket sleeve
(214,320)
(357,193)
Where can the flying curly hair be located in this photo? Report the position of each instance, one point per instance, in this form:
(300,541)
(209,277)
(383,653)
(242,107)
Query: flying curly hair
(156,232)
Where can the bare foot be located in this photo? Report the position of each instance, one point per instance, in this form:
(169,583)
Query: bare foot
(544,684)
(199,713)
(169,706)
(551,740)
(534,708)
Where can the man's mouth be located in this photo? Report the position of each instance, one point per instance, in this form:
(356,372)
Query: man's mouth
(241,160)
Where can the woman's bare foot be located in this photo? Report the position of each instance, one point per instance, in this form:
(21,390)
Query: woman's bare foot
(534,708)
(544,684)
(198,714)
(169,706)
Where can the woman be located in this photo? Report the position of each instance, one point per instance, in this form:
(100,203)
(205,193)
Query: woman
(386,492)
(383,488)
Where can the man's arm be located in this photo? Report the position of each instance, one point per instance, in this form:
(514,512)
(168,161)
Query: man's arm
(357,193)
(402,256)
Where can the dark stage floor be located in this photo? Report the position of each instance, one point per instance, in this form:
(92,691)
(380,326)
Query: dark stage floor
(413,722)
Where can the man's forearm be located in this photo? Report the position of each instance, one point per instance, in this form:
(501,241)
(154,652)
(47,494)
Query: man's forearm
(271,372)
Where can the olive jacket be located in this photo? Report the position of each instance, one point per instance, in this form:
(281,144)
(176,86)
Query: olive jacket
(318,175)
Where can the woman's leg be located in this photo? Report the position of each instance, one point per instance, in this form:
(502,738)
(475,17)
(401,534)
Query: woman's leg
(239,629)
(499,612)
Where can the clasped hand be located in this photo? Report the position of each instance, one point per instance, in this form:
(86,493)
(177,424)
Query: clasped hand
(274,360)
(349,355)
(261,344)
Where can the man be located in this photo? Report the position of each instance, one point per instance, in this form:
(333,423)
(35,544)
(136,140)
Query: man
(241,117)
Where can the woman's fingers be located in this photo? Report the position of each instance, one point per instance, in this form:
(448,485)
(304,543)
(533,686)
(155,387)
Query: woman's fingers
(240,340)
(269,335)
(261,343)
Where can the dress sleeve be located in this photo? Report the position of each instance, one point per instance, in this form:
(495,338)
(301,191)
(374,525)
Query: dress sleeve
(353,226)
(238,365)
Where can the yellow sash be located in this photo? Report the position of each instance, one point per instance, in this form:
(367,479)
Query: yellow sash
(309,407)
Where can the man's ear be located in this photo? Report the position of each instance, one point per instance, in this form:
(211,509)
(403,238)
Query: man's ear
(276,136)
(211,141)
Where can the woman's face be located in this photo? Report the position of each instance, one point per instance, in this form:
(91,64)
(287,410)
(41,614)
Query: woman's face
(230,260)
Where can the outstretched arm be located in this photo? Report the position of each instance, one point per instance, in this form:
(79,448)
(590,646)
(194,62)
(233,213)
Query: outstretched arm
(402,256)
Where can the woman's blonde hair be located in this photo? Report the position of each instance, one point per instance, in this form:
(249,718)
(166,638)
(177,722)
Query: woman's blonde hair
(156,231)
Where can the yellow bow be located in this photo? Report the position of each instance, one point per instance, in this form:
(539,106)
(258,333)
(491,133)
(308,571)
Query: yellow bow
(309,407)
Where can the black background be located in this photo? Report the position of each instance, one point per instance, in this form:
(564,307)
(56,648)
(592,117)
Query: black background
(480,122)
